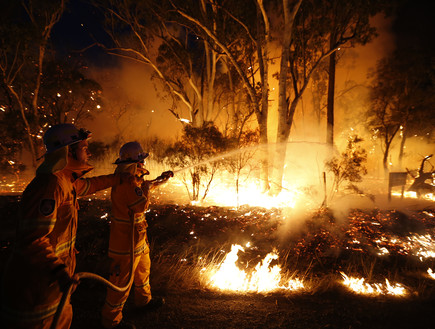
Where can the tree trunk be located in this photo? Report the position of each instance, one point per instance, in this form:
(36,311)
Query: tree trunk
(285,117)
(402,146)
(388,140)
(280,155)
(331,94)
(385,158)
(264,152)
(316,99)
(32,147)
(263,61)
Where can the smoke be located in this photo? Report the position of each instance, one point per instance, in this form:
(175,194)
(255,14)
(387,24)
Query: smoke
(135,105)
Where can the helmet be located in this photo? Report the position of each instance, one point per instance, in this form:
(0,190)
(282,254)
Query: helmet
(62,135)
(131,152)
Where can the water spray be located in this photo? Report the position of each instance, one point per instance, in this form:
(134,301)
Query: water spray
(236,151)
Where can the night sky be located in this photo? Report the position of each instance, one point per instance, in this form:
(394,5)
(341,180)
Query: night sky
(79,28)
(81,25)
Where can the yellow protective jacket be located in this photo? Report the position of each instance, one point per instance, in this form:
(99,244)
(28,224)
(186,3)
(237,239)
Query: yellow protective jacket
(128,199)
(45,240)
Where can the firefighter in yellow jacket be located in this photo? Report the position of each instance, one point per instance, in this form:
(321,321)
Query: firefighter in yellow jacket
(42,263)
(130,200)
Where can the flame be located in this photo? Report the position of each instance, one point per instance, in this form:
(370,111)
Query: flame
(424,245)
(359,286)
(224,194)
(413,195)
(263,278)
(431,273)
(421,246)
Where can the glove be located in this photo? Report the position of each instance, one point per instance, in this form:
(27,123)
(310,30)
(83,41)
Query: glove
(167,174)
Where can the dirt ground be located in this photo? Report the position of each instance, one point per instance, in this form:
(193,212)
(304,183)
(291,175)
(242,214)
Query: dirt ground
(171,229)
(202,309)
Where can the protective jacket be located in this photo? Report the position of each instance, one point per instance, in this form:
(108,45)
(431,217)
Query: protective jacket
(45,245)
(130,200)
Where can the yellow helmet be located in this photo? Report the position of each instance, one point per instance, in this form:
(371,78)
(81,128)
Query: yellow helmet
(62,135)
(131,152)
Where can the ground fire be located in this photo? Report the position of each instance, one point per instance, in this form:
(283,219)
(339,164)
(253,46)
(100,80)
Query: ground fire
(252,243)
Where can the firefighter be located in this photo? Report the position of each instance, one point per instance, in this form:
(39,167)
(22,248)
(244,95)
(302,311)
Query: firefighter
(42,264)
(130,200)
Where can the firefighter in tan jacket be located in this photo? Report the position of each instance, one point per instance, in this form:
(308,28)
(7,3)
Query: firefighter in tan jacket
(42,263)
(130,200)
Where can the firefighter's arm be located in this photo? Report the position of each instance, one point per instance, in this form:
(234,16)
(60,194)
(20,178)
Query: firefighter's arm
(91,185)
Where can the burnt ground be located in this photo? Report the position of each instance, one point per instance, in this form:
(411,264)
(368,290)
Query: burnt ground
(183,232)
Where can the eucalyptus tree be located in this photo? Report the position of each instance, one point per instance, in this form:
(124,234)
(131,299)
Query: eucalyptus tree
(68,95)
(193,153)
(319,30)
(401,102)
(248,51)
(25,31)
(349,26)
(150,33)
(202,51)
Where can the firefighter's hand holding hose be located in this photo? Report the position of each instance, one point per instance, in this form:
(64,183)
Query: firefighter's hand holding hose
(148,185)
(64,279)
(166,175)
(163,178)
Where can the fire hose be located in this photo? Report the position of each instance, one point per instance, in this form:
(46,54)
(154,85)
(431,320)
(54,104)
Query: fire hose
(93,276)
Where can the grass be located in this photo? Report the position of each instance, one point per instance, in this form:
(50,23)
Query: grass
(187,239)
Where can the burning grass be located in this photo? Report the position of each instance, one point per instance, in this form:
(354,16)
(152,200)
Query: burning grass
(249,250)
(255,250)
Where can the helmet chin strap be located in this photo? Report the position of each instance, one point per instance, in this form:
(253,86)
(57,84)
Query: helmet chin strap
(73,151)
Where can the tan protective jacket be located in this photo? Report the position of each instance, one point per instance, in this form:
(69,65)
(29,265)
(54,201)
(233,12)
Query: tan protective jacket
(45,241)
(128,200)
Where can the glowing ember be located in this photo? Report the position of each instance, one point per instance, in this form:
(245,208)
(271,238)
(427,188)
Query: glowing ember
(263,278)
(359,286)
(425,247)
(431,273)
(421,246)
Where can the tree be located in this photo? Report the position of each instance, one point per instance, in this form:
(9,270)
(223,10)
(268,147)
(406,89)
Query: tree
(250,24)
(241,37)
(245,149)
(67,95)
(194,154)
(349,23)
(349,167)
(319,30)
(25,31)
(400,101)
(204,49)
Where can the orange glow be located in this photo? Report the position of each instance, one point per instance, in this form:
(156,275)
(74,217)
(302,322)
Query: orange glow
(228,276)
(359,286)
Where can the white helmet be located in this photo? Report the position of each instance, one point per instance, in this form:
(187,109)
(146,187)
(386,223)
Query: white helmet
(131,152)
(62,135)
